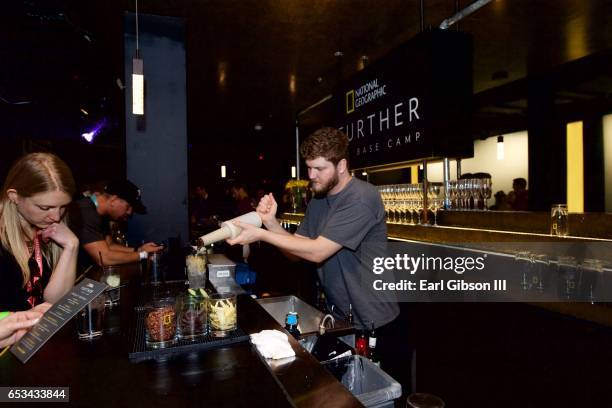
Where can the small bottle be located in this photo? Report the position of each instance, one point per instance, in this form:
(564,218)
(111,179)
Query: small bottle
(349,317)
(361,345)
(291,324)
(373,354)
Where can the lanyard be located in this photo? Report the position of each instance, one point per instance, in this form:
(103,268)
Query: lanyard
(94,199)
(38,254)
(35,281)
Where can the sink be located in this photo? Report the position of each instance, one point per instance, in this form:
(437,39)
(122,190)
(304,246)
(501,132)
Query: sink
(322,347)
(309,317)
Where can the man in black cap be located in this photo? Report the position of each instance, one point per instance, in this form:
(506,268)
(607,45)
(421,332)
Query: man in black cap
(89,220)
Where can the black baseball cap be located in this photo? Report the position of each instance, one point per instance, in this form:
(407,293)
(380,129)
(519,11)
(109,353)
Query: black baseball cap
(127,191)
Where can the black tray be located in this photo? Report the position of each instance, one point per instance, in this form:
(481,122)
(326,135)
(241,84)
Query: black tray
(141,352)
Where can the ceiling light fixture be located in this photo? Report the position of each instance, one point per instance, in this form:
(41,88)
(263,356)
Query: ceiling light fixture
(500,148)
(137,77)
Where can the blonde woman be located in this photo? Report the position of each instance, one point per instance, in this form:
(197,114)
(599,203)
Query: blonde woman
(38,252)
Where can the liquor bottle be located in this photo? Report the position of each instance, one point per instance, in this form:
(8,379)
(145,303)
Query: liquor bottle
(291,324)
(361,345)
(373,353)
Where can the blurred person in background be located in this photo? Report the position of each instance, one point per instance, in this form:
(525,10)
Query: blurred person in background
(90,219)
(518,198)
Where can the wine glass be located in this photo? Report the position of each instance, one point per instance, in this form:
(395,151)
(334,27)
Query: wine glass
(486,190)
(434,200)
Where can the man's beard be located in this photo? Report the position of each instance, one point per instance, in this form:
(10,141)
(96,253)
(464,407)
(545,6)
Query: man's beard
(325,188)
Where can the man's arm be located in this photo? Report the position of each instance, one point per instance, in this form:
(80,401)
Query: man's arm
(109,256)
(315,250)
(116,247)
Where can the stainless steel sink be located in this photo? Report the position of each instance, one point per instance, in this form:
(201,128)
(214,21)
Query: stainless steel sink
(309,317)
(308,322)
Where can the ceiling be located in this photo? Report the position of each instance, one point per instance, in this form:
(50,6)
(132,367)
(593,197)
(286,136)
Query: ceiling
(276,56)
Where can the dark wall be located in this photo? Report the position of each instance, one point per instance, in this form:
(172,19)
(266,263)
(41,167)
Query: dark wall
(156,145)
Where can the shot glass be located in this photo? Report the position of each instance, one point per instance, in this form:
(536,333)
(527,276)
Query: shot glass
(90,320)
(111,276)
(222,314)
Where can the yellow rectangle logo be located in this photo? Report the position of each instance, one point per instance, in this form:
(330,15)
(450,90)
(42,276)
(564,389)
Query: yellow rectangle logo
(350,101)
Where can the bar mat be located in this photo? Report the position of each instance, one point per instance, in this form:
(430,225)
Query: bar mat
(140,352)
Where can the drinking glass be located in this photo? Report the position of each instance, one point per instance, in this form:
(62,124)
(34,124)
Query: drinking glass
(111,276)
(558,220)
(452,194)
(461,194)
(222,314)
(160,323)
(541,277)
(524,260)
(591,274)
(434,201)
(196,270)
(192,321)
(567,271)
(487,187)
(476,192)
(90,320)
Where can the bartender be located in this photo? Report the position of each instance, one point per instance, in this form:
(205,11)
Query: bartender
(345,217)
(89,219)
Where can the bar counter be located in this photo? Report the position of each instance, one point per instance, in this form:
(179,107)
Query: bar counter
(99,373)
(508,232)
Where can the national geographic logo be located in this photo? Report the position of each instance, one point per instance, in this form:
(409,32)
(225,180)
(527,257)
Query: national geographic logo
(350,101)
(366,93)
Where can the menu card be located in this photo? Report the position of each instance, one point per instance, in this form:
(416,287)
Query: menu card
(56,317)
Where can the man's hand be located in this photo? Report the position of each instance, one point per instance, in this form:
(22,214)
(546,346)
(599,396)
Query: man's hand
(150,247)
(267,208)
(249,234)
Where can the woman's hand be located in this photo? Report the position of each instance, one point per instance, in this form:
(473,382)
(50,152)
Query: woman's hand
(15,325)
(42,308)
(60,234)
(267,208)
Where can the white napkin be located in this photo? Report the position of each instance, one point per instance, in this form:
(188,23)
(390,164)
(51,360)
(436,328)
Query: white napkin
(272,344)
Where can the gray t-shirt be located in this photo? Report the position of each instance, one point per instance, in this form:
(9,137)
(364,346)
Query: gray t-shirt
(355,219)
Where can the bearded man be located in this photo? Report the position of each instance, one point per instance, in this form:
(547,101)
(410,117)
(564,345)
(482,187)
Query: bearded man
(343,224)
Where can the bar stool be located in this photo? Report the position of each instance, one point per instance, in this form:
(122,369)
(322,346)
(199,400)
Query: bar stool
(421,400)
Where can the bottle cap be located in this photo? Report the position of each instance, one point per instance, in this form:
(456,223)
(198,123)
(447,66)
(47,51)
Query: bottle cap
(292,318)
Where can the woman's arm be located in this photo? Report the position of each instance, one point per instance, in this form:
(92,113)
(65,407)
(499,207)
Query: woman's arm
(64,274)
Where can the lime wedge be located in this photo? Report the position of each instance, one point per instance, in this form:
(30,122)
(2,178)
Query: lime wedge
(113,281)
(192,292)
(203,293)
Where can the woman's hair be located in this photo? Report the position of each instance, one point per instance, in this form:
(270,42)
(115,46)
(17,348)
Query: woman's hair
(329,143)
(33,174)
